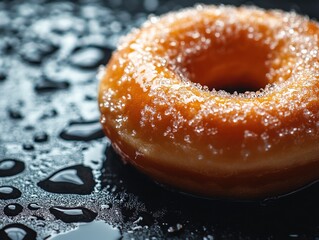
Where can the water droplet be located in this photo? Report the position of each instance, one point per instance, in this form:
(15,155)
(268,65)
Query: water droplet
(40,137)
(105,206)
(34,206)
(8,192)
(76,179)
(82,131)
(9,44)
(208,237)
(28,147)
(12,209)
(36,217)
(70,215)
(11,167)
(151,5)
(60,72)
(116,26)
(48,85)
(66,24)
(17,231)
(99,229)
(49,113)
(3,69)
(15,113)
(3,74)
(175,229)
(90,97)
(15,110)
(294,235)
(88,58)
(28,128)
(35,52)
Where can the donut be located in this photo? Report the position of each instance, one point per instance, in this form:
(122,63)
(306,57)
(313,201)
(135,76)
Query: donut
(217,101)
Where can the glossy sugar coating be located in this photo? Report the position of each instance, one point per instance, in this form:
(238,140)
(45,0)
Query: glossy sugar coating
(161,116)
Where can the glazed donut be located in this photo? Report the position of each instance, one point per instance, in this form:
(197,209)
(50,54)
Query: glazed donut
(218,101)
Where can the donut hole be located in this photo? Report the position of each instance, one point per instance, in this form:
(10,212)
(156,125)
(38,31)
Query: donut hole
(237,77)
(238,64)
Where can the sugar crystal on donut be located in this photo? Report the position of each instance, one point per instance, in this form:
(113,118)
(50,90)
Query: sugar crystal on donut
(217,100)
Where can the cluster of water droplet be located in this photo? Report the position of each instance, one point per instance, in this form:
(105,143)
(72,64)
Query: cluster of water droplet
(52,150)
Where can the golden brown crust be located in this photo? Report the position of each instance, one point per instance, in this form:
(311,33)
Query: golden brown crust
(214,143)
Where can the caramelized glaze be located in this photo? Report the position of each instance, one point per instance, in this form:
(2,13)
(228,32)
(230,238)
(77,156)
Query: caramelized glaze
(164,109)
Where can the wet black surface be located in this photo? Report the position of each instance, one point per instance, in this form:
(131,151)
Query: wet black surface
(56,168)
